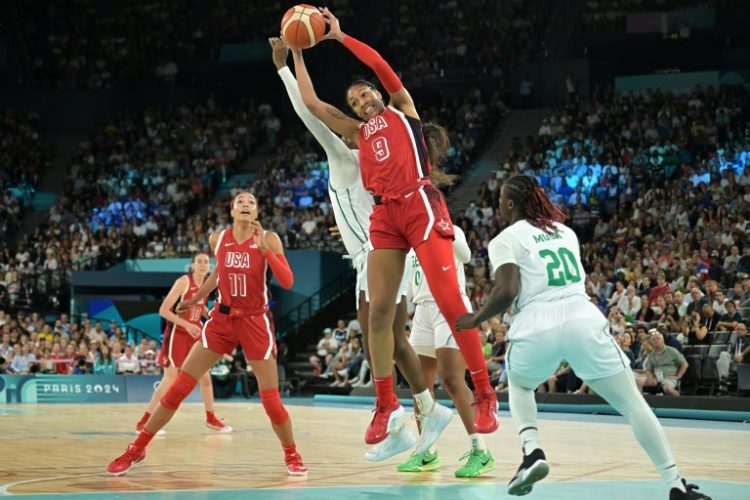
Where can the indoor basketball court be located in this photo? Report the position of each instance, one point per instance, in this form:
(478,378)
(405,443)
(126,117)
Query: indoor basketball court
(49,454)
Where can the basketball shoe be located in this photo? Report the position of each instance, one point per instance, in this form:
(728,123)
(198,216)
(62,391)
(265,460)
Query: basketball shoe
(533,468)
(397,441)
(388,417)
(420,462)
(214,423)
(485,421)
(433,425)
(122,464)
(479,461)
(294,465)
(690,493)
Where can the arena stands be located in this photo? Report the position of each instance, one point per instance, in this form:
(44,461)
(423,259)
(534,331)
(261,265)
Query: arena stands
(657,187)
(89,44)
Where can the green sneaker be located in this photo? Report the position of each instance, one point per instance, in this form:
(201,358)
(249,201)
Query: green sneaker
(420,462)
(480,461)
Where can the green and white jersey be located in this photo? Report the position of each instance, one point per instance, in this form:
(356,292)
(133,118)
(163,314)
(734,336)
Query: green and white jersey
(419,292)
(550,263)
(352,207)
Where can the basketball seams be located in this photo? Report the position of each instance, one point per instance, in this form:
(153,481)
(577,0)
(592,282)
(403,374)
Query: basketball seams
(300,17)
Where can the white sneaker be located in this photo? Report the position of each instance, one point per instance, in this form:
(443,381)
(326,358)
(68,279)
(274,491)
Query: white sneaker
(396,442)
(433,425)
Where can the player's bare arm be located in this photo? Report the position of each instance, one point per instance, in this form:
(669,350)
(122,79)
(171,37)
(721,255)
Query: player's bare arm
(331,116)
(505,291)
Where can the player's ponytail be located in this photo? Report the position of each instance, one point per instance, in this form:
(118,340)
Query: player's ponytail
(437,141)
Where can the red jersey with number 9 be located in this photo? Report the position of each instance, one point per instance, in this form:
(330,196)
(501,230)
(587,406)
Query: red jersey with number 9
(392,153)
(242,273)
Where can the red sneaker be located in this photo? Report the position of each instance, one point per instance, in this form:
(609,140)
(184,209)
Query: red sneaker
(294,465)
(387,418)
(485,420)
(122,464)
(214,423)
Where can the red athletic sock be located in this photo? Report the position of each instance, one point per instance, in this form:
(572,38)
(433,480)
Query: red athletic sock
(438,264)
(209,414)
(143,439)
(289,449)
(384,389)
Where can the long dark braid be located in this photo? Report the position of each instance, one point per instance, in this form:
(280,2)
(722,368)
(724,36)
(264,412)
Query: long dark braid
(533,202)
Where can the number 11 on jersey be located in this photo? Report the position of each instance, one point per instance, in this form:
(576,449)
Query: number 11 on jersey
(238,285)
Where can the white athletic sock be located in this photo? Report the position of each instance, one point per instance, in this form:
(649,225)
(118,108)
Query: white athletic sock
(621,392)
(477,441)
(425,403)
(523,411)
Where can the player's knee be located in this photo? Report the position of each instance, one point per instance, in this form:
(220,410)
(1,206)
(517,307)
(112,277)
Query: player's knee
(178,391)
(272,404)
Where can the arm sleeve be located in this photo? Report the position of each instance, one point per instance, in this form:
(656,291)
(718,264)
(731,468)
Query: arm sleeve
(461,246)
(390,80)
(280,269)
(342,161)
(505,249)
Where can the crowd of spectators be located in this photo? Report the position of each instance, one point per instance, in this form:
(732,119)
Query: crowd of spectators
(32,345)
(94,45)
(132,192)
(657,186)
(23,158)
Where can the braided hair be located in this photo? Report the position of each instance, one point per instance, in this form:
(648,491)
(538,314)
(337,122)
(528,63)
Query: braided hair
(533,203)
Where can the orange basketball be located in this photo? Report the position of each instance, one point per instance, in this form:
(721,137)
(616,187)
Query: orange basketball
(303,26)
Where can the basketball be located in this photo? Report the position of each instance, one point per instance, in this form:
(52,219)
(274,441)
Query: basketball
(303,26)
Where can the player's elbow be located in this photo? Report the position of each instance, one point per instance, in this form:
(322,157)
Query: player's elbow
(286,282)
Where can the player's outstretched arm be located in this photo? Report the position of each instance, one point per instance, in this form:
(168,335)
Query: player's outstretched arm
(400,97)
(507,278)
(331,116)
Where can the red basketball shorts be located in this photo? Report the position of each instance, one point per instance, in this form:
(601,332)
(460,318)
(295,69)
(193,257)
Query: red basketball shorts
(406,221)
(255,333)
(175,347)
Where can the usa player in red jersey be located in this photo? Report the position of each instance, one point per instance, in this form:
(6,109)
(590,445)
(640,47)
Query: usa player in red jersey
(241,315)
(410,212)
(183,330)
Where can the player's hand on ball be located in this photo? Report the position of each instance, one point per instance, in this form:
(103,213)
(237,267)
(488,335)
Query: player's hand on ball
(466,322)
(334,29)
(279,51)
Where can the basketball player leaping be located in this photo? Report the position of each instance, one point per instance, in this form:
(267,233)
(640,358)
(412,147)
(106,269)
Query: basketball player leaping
(184,330)
(352,207)
(410,212)
(537,265)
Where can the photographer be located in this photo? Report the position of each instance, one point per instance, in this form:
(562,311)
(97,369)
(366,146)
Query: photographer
(693,332)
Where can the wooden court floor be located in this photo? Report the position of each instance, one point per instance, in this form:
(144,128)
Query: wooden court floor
(65,448)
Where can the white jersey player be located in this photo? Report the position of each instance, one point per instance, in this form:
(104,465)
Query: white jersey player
(439,355)
(537,267)
(352,206)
